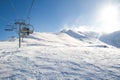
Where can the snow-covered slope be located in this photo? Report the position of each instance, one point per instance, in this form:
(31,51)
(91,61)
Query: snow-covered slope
(59,56)
(112,39)
(87,37)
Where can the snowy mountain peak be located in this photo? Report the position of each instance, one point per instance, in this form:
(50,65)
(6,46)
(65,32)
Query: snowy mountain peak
(89,34)
(112,39)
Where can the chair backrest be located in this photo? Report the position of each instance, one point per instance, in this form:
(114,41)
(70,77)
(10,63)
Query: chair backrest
(27,30)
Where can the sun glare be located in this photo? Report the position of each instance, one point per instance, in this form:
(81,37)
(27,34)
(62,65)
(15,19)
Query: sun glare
(108,16)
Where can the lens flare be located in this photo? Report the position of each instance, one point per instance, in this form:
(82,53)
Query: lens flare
(108,17)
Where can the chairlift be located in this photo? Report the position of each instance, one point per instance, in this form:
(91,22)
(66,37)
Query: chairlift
(28,29)
(8,28)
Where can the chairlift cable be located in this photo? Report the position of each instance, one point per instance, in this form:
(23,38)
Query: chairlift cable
(13,6)
(30,9)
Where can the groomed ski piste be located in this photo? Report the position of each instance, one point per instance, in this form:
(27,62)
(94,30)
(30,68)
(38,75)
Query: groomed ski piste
(67,55)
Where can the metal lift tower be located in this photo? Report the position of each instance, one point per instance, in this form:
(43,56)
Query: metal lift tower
(23,29)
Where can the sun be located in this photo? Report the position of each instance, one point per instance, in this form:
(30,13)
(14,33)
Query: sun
(108,17)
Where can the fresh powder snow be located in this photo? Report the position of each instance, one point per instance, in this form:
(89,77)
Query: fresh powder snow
(68,55)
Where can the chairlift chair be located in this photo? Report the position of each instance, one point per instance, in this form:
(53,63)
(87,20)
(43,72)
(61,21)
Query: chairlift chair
(28,29)
(8,28)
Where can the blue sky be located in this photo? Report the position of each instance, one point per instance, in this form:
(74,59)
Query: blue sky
(48,15)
